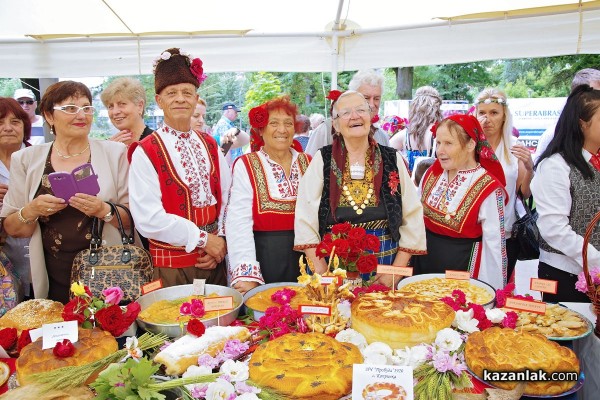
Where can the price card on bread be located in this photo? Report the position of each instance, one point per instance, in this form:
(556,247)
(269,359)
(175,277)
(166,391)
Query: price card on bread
(57,332)
(460,275)
(372,381)
(394,270)
(543,285)
(314,310)
(537,307)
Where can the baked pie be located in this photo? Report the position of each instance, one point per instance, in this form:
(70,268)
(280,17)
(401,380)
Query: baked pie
(505,350)
(436,288)
(557,322)
(397,320)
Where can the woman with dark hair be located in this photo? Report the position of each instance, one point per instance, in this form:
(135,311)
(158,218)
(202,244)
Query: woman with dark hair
(463,203)
(59,229)
(566,188)
(266,182)
(15,131)
(358,181)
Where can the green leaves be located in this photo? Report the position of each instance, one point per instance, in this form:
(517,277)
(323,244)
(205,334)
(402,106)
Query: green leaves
(128,381)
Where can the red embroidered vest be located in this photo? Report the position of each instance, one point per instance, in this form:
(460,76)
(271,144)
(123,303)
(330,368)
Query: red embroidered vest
(176,198)
(464,224)
(270,214)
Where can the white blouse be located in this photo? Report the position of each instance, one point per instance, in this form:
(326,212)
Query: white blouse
(238,220)
(511,173)
(551,191)
(145,197)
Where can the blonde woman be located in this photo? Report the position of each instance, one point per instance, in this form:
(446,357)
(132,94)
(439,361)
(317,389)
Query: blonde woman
(491,109)
(425,111)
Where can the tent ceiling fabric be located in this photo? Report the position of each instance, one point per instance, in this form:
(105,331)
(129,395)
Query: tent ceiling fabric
(44,39)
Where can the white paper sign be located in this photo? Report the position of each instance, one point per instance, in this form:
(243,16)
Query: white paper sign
(382,382)
(198,287)
(54,333)
(35,334)
(3,353)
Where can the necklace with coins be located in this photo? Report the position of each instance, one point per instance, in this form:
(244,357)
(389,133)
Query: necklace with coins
(358,193)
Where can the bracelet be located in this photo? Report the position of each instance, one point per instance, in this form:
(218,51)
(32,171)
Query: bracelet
(23,219)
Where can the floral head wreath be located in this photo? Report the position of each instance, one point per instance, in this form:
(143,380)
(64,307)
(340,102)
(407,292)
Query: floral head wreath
(393,123)
(491,100)
(195,64)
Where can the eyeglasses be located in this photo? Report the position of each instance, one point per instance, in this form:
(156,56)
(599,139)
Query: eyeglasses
(28,102)
(72,109)
(346,113)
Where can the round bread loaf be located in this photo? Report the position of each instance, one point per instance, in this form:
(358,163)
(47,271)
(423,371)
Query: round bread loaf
(32,314)
(398,321)
(305,366)
(92,345)
(505,350)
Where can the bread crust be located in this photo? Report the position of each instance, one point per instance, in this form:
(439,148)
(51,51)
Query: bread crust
(32,314)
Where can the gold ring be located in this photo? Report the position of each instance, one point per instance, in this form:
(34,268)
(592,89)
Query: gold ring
(50,209)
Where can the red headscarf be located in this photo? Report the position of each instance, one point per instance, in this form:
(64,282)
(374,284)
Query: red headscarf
(487,157)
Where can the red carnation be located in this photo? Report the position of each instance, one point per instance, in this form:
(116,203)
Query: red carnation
(197,70)
(8,338)
(341,228)
(367,264)
(196,327)
(111,320)
(357,233)
(342,247)
(258,117)
(132,311)
(334,95)
(375,119)
(371,242)
(24,340)
(64,349)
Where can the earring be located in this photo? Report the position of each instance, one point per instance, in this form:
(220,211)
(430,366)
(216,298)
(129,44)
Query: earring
(52,130)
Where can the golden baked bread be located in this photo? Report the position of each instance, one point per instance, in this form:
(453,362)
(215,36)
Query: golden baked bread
(383,391)
(32,314)
(92,345)
(505,350)
(185,351)
(305,366)
(399,321)
(558,321)
(262,300)
(436,288)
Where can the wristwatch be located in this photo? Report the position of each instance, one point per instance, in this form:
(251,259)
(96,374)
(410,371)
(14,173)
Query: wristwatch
(108,217)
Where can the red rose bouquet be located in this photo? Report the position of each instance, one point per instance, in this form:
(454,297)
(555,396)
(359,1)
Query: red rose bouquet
(90,311)
(352,248)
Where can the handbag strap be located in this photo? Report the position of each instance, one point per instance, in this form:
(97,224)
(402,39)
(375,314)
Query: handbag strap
(527,203)
(128,238)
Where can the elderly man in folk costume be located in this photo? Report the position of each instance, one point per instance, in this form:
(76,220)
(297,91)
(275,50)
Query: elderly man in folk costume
(179,182)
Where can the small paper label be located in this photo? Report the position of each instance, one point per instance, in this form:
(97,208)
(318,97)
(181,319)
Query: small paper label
(35,334)
(54,333)
(543,285)
(536,307)
(372,381)
(152,286)
(312,309)
(394,270)
(461,275)
(218,303)
(3,353)
(327,280)
(198,287)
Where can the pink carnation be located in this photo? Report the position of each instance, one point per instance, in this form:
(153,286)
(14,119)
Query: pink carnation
(510,321)
(112,295)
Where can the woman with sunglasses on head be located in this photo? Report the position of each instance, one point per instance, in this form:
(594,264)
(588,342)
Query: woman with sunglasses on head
(359,181)
(60,228)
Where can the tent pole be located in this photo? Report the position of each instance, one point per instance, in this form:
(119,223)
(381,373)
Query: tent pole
(334,62)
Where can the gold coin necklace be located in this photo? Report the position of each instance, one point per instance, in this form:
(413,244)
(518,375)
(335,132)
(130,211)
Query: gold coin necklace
(358,208)
(355,189)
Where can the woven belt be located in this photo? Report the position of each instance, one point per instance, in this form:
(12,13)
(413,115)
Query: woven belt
(210,228)
(377,224)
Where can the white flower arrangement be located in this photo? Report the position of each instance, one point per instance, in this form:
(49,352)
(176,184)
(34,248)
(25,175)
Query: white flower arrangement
(411,356)
(238,371)
(448,339)
(352,336)
(377,353)
(495,315)
(464,321)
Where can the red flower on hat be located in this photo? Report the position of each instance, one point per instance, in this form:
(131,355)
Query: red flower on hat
(334,95)
(259,117)
(197,70)
(375,119)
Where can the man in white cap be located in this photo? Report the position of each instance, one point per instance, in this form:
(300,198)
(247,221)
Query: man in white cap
(28,102)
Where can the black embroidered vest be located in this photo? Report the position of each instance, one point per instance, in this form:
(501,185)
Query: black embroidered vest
(391,202)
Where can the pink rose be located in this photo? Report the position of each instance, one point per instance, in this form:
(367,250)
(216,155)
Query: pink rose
(112,295)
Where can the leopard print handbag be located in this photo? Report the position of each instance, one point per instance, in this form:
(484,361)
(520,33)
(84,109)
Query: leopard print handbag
(127,265)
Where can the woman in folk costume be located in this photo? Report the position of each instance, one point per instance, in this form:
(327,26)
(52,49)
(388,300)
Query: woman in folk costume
(265,181)
(463,199)
(359,181)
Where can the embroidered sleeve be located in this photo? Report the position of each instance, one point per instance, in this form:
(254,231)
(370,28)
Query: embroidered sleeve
(412,228)
(493,250)
(249,272)
(306,222)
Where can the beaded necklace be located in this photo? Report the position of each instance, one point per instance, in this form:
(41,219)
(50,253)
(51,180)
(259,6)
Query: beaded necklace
(358,193)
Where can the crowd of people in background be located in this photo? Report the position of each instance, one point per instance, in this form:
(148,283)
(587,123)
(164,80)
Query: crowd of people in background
(239,208)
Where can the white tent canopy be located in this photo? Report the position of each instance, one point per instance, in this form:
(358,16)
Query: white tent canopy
(78,38)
